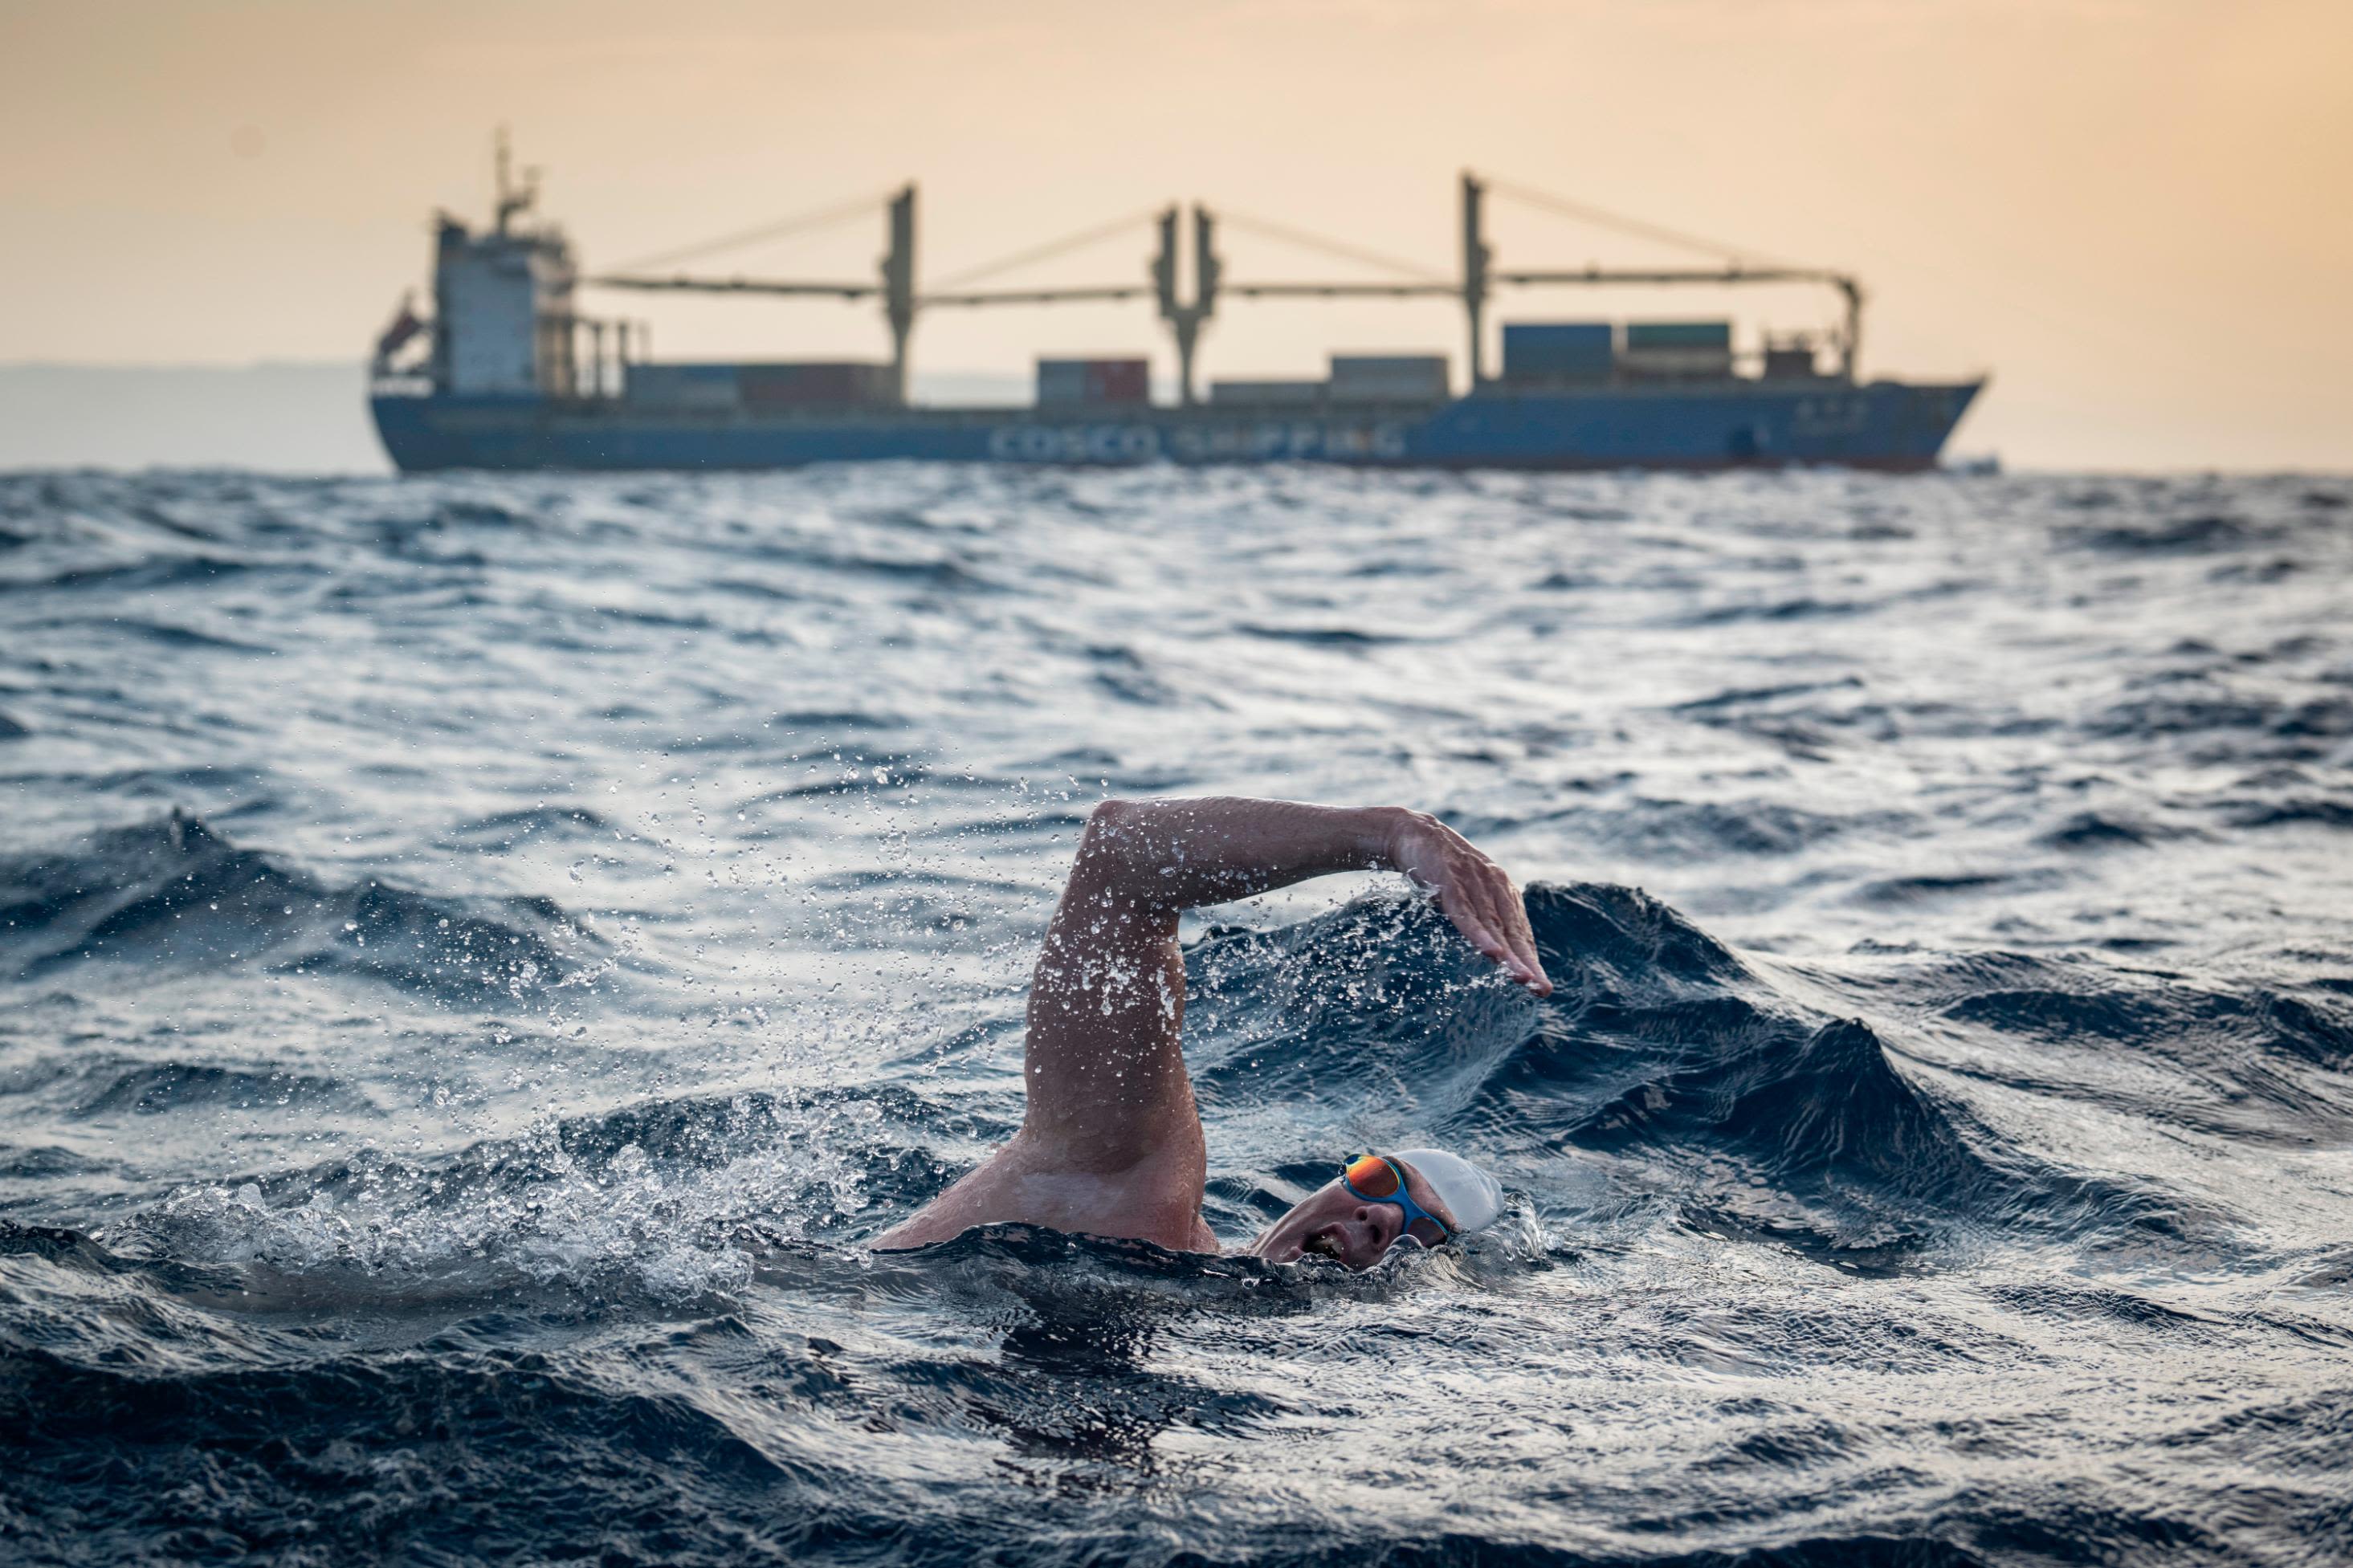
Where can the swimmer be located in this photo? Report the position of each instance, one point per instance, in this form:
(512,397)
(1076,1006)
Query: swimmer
(1111,1144)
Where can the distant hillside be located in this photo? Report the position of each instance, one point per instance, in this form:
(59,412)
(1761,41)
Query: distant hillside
(279,418)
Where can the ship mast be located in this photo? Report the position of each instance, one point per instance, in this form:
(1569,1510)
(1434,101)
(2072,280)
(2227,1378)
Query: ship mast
(513,198)
(899,284)
(1475,258)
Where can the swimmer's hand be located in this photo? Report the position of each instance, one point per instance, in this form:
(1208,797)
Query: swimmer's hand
(1472,889)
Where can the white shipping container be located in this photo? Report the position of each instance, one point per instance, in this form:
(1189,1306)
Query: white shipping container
(1388,378)
(1062,381)
(1693,362)
(1267,394)
(702,386)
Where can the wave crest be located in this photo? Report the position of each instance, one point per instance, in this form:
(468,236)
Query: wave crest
(173,891)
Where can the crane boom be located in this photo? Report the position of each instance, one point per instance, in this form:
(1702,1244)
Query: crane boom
(739,286)
(896,287)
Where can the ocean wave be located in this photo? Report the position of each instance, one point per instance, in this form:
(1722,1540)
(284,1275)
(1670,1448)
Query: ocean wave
(2098,830)
(162,635)
(1670,830)
(2321,812)
(2262,1065)
(145,575)
(174,891)
(158,1088)
(500,832)
(2197,534)
(674,1199)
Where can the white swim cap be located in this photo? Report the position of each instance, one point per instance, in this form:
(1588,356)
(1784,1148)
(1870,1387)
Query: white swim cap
(1473,1197)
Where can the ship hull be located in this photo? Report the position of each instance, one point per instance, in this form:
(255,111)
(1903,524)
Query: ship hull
(1882,424)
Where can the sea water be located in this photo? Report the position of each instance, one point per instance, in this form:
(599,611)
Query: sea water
(481,957)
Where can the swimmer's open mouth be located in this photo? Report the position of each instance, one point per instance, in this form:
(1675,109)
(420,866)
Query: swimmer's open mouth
(1323,1243)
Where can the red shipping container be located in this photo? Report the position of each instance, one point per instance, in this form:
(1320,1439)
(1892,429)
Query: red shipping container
(814,383)
(1081,381)
(1118,381)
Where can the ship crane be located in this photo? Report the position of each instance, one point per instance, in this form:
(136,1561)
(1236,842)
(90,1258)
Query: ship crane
(1734,271)
(895,285)
(1479,276)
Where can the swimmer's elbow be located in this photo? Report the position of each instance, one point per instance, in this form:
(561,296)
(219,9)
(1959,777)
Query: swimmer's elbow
(1110,827)
(1112,849)
(1109,815)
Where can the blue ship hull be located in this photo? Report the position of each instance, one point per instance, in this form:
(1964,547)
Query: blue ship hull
(1881,425)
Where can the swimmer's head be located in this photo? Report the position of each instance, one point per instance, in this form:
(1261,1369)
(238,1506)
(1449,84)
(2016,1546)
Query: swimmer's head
(1340,1221)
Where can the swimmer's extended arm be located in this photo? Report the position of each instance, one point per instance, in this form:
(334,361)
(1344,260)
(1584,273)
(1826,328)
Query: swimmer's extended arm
(1106,1077)
(1111,1144)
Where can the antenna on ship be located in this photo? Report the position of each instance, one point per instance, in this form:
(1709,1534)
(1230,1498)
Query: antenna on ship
(511,198)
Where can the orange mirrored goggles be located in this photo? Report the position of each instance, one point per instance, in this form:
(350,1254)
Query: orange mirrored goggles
(1376,1178)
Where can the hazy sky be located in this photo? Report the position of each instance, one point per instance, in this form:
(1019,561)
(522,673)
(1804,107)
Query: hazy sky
(2137,213)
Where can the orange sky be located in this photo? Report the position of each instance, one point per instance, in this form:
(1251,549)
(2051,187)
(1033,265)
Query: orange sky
(2138,214)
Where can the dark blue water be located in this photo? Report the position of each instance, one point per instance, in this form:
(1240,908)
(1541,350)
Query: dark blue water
(480,957)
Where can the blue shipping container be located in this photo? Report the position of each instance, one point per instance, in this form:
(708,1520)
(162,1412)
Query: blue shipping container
(1572,335)
(1545,351)
(1678,335)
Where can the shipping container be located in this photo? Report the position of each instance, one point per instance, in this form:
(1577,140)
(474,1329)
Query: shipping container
(1678,335)
(1675,364)
(1388,378)
(1122,382)
(1558,351)
(1266,394)
(1677,350)
(816,384)
(701,386)
(1383,367)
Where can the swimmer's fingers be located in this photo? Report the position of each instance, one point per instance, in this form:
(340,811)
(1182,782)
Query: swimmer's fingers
(1522,937)
(1485,907)
(1461,906)
(1474,893)
(1506,917)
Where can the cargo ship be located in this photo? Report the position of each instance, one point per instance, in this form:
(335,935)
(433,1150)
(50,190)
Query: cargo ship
(509,372)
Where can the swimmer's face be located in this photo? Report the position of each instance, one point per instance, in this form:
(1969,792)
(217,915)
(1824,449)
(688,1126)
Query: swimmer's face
(1332,1222)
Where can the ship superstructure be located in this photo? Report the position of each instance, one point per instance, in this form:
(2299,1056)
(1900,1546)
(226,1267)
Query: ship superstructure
(503,322)
(511,373)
